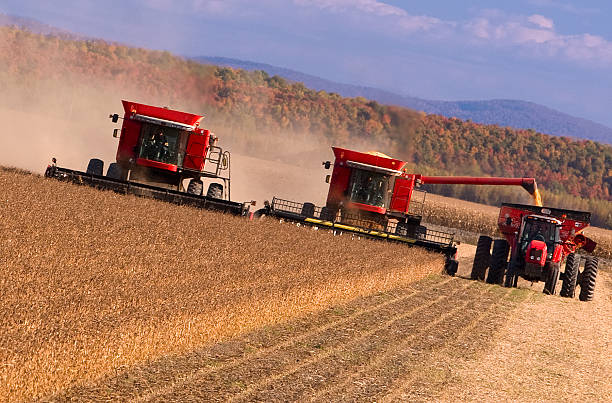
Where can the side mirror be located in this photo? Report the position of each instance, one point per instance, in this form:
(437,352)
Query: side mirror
(327,164)
(327,178)
(114,118)
(115,133)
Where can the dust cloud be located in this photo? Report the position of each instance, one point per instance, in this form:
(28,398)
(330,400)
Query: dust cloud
(68,119)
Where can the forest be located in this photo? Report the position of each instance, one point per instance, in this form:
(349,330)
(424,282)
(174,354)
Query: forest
(571,173)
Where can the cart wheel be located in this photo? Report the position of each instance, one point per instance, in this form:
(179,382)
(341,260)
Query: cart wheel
(482,257)
(587,282)
(572,265)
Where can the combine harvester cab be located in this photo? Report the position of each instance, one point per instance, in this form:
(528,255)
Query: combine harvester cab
(539,240)
(373,195)
(159,150)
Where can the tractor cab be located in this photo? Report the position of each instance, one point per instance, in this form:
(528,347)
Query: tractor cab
(539,245)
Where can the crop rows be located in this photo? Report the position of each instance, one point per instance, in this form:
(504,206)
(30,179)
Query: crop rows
(94,282)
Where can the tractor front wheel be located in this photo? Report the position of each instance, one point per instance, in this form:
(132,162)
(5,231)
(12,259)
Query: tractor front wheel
(588,277)
(551,278)
(511,274)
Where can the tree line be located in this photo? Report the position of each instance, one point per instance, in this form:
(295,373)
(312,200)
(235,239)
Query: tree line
(571,173)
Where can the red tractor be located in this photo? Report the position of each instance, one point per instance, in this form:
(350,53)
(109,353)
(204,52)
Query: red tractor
(539,240)
(159,150)
(373,195)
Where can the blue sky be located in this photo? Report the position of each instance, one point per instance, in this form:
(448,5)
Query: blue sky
(554,52)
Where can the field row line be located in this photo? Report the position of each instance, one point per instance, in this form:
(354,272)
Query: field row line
(267,350)
(252,388)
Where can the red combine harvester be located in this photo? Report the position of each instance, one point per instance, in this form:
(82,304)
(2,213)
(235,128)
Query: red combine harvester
(159,150)
(538,240)
(372,195)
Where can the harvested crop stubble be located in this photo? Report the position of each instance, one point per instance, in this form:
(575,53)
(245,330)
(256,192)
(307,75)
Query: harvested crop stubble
(93,281)
(482,219)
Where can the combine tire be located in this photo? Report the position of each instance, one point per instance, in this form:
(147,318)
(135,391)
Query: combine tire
(572,265)
(451,267)
(215,191)
(308,210)
(95,167)
(481,260)
(195,187)
(551,279)
(326,214)
(499,261)
(587,281)
(115,171)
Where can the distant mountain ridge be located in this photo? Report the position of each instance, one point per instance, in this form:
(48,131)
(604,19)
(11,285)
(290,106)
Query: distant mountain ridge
(503,112)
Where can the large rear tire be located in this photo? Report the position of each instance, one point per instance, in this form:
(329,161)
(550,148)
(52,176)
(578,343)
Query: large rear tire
(95,167)
(587,281)
(572,265)
(195,187)
(552,276)
(482,258)
(215,191)
(499,261)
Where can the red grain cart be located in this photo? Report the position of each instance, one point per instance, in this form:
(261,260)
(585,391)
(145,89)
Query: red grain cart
(539,240)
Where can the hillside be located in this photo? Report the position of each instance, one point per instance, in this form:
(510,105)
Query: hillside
(502,112)
(273,119)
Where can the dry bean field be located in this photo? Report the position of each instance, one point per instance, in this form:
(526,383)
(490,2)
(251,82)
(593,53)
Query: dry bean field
(110,297)
(93,282)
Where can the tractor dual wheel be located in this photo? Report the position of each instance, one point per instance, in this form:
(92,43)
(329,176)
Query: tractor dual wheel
(499,261)
(587,279)
(482,258)
(570,278)
(551,278)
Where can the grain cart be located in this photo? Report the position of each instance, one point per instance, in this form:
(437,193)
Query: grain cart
(373,195)
(159,150)
(539,240)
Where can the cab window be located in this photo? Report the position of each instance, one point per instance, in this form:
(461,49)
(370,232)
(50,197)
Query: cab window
(368,187)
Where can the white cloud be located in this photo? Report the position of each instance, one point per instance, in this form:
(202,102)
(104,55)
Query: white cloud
(534,34)
(541,21)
